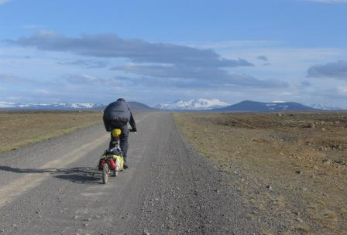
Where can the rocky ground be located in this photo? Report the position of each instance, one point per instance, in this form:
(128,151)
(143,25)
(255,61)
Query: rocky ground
(53,187)
(289,168)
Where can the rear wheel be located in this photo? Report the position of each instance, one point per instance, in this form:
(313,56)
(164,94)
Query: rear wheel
(105,173)
(116,170)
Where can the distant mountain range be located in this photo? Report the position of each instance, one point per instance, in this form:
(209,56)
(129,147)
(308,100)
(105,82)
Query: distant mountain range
(244,106)
(253,106)
(324,107)
(194,104)
(50,106)
(136,106)
(219,106)
(213,105)
(66,106)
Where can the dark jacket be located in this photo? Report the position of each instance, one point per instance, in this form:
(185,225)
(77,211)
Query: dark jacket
(118,114)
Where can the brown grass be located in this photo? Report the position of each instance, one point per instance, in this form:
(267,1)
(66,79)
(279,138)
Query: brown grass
(301,156)
(18,129)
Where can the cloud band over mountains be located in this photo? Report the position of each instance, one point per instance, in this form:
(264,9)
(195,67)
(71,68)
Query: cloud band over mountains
(198,76)
(163,61)
(112,46)
(337,70)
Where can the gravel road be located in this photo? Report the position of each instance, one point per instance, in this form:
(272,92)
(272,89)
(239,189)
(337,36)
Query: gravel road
(53,187)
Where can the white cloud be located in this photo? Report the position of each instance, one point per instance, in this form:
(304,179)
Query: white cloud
(42,91)
(88,80)
(287,64)
(4,1)
(333,93)
(70,88)
(136,80)
(85,63)
(204,66)
(231,44)
(284,60)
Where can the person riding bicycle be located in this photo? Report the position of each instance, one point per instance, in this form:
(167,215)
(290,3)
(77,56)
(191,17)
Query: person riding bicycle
(118,115)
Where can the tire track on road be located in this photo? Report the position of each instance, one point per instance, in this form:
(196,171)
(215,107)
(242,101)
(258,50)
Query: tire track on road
(15,188)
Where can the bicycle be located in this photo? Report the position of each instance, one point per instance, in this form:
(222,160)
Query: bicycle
(112,159)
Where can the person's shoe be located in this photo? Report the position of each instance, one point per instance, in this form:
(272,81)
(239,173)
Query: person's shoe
(125,165)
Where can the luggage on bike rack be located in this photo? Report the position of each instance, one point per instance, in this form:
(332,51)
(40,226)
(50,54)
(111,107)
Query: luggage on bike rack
(115,161)
(112,159)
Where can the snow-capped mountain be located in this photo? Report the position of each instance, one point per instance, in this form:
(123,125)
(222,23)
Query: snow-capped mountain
(194,104)
(66,106)
(324,107)
(7,104)
(50,106)
(253,106)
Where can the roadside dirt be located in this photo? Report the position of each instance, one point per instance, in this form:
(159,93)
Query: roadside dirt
(290,168)
(53,187)
(18,129)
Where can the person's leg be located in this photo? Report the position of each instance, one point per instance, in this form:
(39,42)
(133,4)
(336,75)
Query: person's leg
(112,144)
(124,142)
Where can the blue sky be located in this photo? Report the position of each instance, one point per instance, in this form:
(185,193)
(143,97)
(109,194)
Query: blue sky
(160,51)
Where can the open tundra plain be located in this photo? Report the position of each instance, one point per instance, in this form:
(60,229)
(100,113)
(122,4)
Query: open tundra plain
(268,173)
(53,187)
(289,168)
(18,129)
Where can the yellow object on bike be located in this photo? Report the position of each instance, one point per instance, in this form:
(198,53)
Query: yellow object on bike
(116,132)
(119,162)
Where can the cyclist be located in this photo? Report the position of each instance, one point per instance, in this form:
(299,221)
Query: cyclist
(118,115)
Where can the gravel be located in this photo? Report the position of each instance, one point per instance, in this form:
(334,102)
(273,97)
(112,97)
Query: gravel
(168,189)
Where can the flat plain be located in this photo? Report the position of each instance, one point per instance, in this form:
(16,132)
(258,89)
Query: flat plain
(54,187)
(18,129)
(289,168)
(281,173)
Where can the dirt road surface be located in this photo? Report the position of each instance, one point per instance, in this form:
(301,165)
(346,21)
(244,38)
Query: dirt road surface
(53,187)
